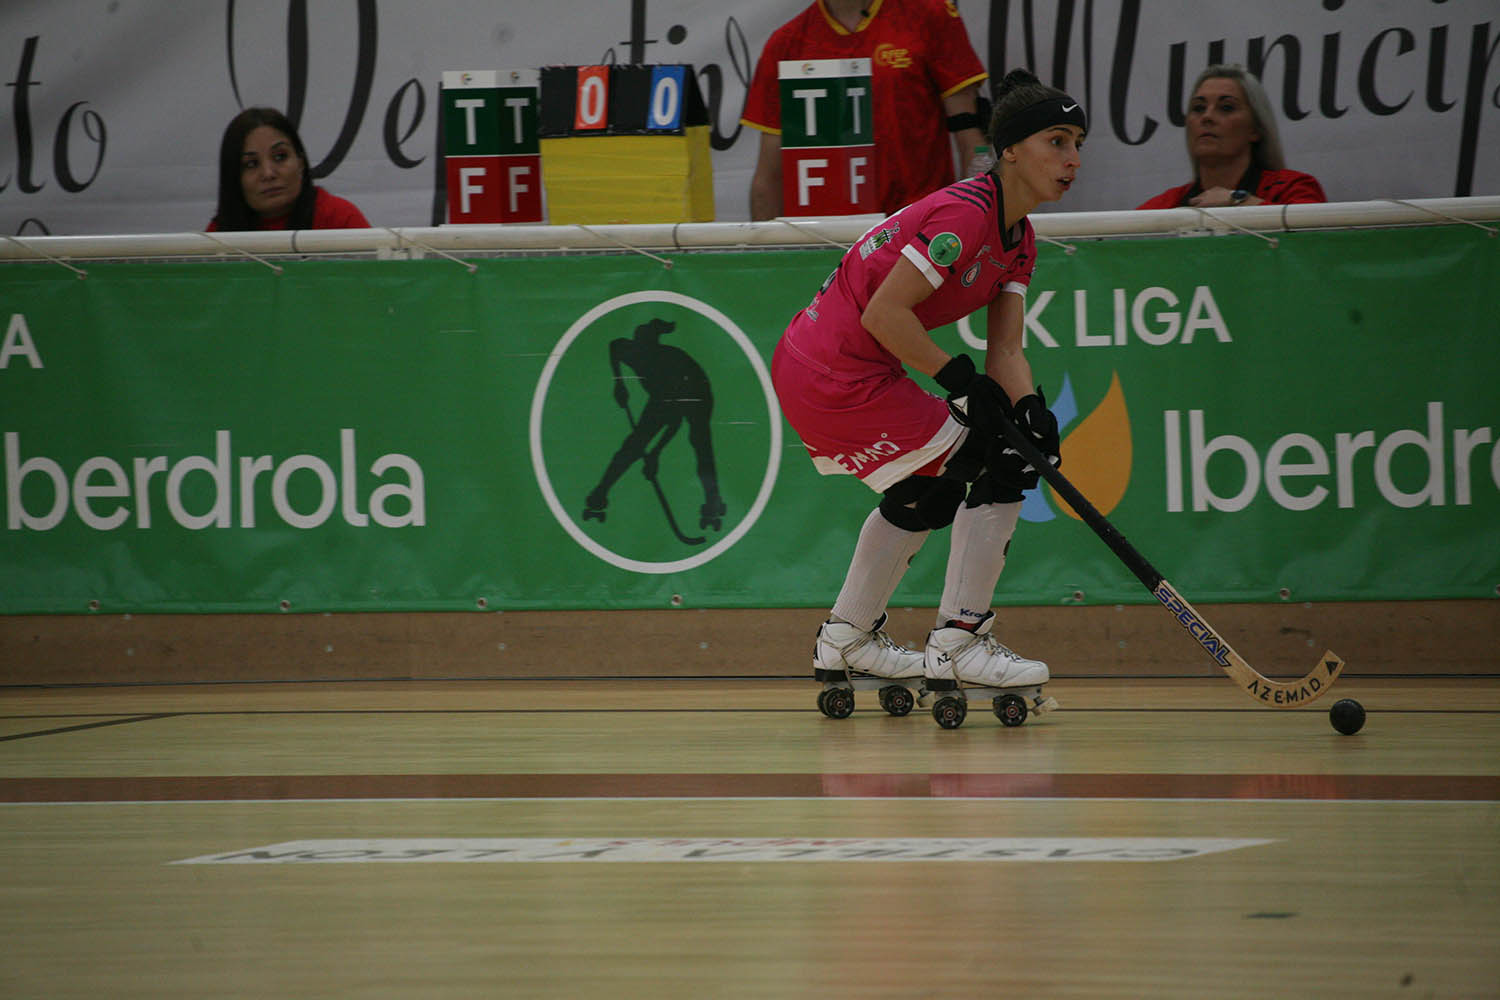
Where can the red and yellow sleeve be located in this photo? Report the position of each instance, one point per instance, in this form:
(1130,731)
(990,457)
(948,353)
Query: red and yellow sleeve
(763,99)
(955,65)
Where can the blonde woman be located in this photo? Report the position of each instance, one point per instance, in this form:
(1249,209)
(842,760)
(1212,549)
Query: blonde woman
(1234,148)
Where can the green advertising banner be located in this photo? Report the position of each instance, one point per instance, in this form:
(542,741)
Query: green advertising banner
(1310,420)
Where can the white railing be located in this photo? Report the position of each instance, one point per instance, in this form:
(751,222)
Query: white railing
(1265,220)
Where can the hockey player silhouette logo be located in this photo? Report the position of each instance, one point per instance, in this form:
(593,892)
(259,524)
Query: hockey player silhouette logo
(677,391)
(640,438)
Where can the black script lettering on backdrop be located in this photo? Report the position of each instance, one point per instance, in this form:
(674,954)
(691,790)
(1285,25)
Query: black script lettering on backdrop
(403,114)
(89,123)
(1386,44)
(297,66)
(395,133)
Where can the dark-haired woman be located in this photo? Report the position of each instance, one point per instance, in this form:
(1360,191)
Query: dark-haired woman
(839,372)
(264,182)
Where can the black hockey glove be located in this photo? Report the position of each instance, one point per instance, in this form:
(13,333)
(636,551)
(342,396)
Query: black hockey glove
(1011,474)
(1008,473)
(985,401)
(1032,416)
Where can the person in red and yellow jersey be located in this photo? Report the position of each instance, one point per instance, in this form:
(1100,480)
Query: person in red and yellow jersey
(925,80)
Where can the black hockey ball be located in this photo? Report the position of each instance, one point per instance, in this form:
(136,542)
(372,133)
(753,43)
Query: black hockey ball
(1347,716)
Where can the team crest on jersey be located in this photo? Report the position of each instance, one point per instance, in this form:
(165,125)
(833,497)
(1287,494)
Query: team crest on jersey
(972,273)
(944,249)
(887,54)
(878,239)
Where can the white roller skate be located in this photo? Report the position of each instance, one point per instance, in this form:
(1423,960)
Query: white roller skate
(959,662)
(846,659)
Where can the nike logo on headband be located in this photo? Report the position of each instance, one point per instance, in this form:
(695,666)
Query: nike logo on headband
(1069,107)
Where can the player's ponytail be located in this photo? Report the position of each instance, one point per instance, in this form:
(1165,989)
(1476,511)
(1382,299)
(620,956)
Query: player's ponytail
(1013,80)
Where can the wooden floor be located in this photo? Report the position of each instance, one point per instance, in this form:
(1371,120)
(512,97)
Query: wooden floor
(690,838)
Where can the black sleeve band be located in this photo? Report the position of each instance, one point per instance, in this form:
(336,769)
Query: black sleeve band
(963,120)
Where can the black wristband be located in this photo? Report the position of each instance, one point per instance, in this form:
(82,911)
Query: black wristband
(963,120)
(956,375)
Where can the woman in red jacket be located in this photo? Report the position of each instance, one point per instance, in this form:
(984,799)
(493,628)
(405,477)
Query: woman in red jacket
(264,182)
(1234,148)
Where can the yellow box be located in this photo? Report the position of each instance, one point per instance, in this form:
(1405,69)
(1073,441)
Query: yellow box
(629,178)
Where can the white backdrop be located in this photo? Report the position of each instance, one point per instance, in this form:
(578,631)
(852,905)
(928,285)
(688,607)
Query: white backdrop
(112,111)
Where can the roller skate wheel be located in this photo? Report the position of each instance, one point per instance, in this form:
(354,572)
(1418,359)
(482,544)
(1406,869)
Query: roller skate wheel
(1010,709)
(949,712)
(838,703)
(897,700)
(823,701)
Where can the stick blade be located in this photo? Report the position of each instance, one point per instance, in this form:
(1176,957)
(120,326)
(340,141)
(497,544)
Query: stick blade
(1333,663)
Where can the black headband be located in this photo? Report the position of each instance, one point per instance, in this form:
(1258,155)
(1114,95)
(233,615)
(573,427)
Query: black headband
(1043,114)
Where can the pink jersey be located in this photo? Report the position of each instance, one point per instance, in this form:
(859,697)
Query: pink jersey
(954,237)
(849,399)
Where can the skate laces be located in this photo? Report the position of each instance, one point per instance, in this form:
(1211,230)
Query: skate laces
(996,646)
(879,637)
(873,652)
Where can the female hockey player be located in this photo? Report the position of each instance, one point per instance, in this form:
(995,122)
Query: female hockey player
(839,374)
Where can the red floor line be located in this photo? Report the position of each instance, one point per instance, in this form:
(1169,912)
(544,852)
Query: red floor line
(189,788)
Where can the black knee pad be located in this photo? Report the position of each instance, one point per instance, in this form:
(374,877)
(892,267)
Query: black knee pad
(902,516)
(923,503)
(896,504)
(939,505)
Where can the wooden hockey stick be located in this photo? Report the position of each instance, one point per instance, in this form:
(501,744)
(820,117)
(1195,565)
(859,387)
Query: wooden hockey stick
(1281,694)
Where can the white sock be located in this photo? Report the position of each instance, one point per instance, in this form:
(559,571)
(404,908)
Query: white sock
(981,536)
(881,557)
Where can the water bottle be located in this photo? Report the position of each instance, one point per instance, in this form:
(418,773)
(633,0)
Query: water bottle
(982,162)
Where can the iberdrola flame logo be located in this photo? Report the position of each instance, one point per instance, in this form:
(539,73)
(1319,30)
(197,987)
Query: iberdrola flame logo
(1096,453)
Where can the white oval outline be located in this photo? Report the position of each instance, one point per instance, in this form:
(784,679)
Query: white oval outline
(773,410)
